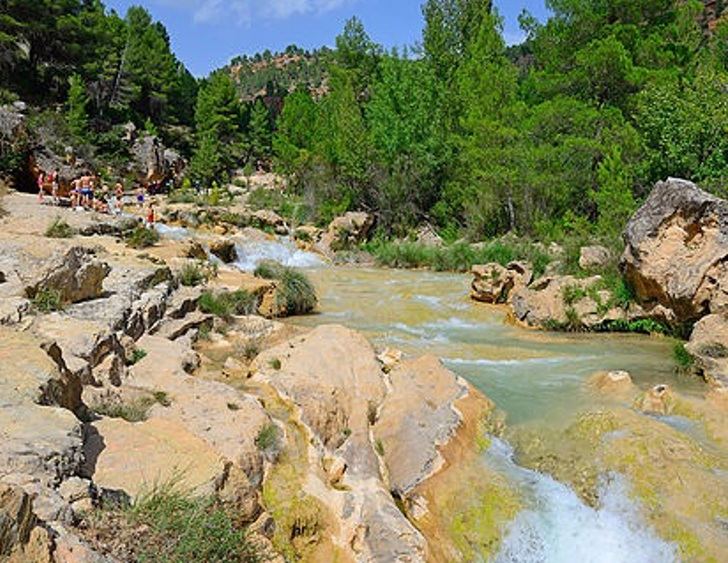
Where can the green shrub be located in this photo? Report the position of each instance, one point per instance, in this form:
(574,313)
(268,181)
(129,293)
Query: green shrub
(192,275)
(142,237)
(174,526)
(251,349)
(267,438)
(137,356)
(135,410)
(572,294)
(59,229)
(48,300)
(683,359)
(458,257)
(639,326)
(295,294)
(226,305)
(275,363)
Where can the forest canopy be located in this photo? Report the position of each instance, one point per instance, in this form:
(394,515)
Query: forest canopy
(563,133)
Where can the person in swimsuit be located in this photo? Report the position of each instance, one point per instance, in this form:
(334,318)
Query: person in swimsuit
(150,216)
(41,182)
(55,186)
(140,197)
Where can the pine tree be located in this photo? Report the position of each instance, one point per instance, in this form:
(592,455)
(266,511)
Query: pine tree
(76,113)
(259,131)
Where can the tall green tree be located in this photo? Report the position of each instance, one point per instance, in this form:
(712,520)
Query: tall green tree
(76,110)
(294,136)
(259,131)
(406,129)
(218,127)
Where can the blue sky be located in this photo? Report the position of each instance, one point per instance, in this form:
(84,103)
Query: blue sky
(206,34)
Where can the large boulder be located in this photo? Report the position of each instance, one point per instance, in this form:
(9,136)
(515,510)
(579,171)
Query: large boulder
(346,232)
(44,159)
(709,347)
(557,302)
(494,283)
(677,245)
(152,162)
(148,159)
(76,275)
(265,218)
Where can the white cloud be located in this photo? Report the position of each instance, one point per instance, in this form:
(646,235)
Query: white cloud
(244,11)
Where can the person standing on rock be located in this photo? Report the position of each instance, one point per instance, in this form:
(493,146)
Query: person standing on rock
(150,216)
(41,182)
(140,197)
(55,186)
(119,193)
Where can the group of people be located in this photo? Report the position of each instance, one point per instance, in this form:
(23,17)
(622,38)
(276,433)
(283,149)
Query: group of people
(88,193)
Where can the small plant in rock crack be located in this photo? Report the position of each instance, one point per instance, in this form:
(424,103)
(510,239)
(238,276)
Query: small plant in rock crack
(48,300)
(137,356)
(268,438)
(59,229)
(275,363)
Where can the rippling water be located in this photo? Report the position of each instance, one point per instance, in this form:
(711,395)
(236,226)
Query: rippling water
(535,377)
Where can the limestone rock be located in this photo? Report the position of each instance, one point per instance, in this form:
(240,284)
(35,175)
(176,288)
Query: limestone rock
(494,284)
(176,328)
(677,246)
(332,398)
(427,236)
(658,400)
(346,231)
(709,346)
(201,406)
(28,374)
(267,218)
(544,303)
(332,377)
(616,383)
(44,443)
(77,275)
(418,416)
(225,250)
(137,457)
(16,518)
(151,162)
(195,250)
(390,358)
(594,257)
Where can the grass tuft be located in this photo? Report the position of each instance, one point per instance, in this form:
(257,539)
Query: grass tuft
(178,527)
(137,356)
(48,300)
(684,360)
(141,237)
(268,438)
(59,229)
(226,305)
(458,257)
(133,411)
(295,294)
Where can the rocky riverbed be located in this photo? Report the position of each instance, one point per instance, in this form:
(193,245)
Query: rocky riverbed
(317,433)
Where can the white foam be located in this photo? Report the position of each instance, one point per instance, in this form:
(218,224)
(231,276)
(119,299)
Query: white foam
(527,361)
(284,252)
(559,528)
(175,233)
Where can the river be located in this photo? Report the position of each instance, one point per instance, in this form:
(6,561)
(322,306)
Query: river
(535,378)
